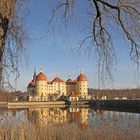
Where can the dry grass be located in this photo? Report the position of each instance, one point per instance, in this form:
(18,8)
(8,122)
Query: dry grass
(67,131)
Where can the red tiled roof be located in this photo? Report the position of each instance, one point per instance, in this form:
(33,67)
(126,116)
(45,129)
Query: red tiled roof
(57,79)
(70,82)
(41,77)
(81,77)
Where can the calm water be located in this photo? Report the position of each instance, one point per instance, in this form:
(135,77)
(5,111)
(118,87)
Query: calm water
(83,117)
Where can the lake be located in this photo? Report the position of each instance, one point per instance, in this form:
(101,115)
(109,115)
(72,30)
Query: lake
(68,123)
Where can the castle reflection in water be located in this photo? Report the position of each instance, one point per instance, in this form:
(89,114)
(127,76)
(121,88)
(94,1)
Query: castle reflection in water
(54,116)
(59,116)
(81,117)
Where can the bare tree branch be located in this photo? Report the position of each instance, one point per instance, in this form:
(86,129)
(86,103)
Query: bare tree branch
(118,10)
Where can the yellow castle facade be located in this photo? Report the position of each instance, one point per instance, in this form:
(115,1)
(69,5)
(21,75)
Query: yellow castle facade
(40,89)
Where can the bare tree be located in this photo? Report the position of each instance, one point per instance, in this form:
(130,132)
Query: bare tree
(121,14)
(12,36)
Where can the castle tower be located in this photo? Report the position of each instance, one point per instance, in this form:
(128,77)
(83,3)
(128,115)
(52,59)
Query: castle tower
(31,85)
(82,85)
(41,84)
(70,86)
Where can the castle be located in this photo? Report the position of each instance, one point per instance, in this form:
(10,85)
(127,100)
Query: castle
(40,89)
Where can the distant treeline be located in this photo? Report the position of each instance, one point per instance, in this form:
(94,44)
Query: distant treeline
(115,93)
(12,96)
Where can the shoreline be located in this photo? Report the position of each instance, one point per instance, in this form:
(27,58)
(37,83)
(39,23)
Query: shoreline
(132,105)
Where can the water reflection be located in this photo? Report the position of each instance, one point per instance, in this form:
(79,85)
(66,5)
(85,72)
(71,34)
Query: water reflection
(43,116)
(58,116)
(82,117)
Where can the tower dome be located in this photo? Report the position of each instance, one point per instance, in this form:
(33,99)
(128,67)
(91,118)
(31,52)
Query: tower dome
(41,77)
(81,77)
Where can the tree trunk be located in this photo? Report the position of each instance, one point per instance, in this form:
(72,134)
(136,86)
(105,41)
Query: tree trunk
(6,11)
(3,32)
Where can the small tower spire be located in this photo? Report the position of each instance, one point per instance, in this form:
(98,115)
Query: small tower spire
(34,70)
(41,69)
(34,76)
(81,72)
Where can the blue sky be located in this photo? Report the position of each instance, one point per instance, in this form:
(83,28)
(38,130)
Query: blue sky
(55,51)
